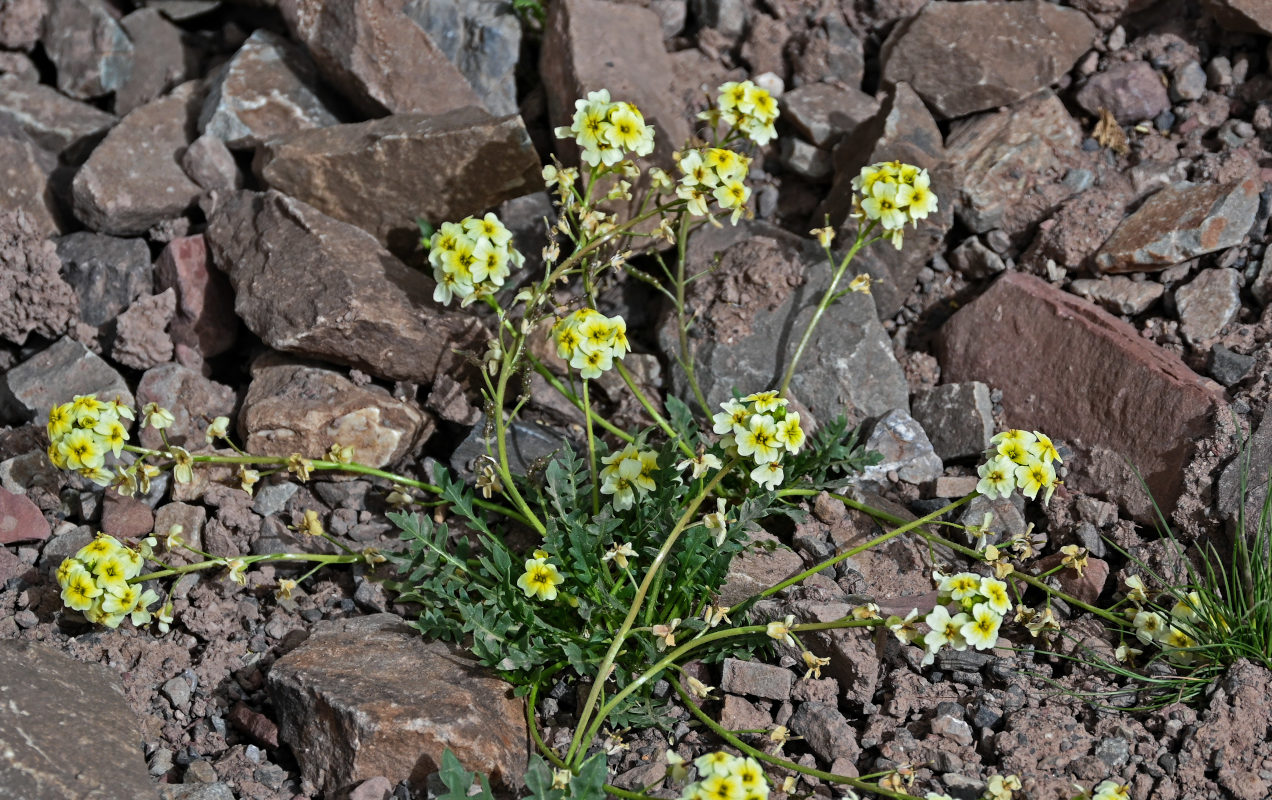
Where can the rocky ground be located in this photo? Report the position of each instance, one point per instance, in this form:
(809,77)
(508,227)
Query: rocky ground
(210,205)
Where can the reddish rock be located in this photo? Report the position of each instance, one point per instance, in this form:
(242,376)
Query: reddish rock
(141,338)
(1208,304)
(442,167)
(205,318)
(371,697)
(210,164)
(1132,91)
(50,119)
(259,727)
(193,400)
(20,519)
(1231,736)
(824,112)
(1072,234)
(24,185)
(1087,586)
(1182,222)
(126,517)
(1083,376)
(1119,294)
(965,57)
(374,54)
(757,679)
(763,563)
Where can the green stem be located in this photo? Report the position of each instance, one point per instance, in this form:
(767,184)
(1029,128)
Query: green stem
(591,453)
(577,401)
(649,409)
(248,561)
(825,302)
(682,324)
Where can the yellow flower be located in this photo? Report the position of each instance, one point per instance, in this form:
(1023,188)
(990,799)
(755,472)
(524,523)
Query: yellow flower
(861,283)
(781,630)
(903,627)
(814,664)
(300,466)
(156,417)
(981,631)
(113,434)
(102,547)
(1001,788)
(733,194)
(960,586)
(540,579)
(285,588)
(619,553)
(248,478)
(995,594)
(700,464)
(666,634)
(1112,790)
(790,434)
(717,763)
(766,402)
(82,450)
(237,568)
(217,429)
(80,590)
(1149,626)
(1034,475)
(1075,557)
(769,475)
(824,235)
(699,689)
(759,439)
(61,420)
(121,602)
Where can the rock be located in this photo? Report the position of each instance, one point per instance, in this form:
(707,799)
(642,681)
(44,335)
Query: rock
(141,341)
(51,120)
(1039,744)
(752,310)
(481,38)
(191,518)
(24,185)
(902,130)
(19,65)
(826,731)
(205,319)
(1132,90)
(1181,222)
(803,159)
(1071,235)
(528,444)
(196,791)
(1119,294)
(979,55)
(905,448)
(54,376)
(1227,367)
(973,259)
(1255,459)
(377,788)
(1010,163)
(375,55)
(309,284)
(763,563)
(90,49)
(370,697)
(897,568)
(825,112)
(161,59)
(757,679)
(295,408)
(20,23)
(209,163)
(269,88)
(1261,288)
(958,419)
(33,296)
(728,17)
(1150,414)
(594,44)
(449,400)
(829,51)
(738,714)
(1228,742)
(1251,16)
(107,273)
(126,517)
(1208,304)
(133,180)
(193,400)
(21,520)
(439,167)
(949,723)
(1087,586)
(1188,82)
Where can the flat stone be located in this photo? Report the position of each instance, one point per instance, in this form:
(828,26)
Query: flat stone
(107,273)
(20,23)
(161,59)
(826,731)
(825,112)
(269,88)
(126,517)
(1251,16)
(805,160)
(1088,586)
(757,679)
(442,167)
(196,791)
(295,408)
(309,284)
(957,417)
(1120,391)
(1181,222)
(764,562)
(55,375)
(482,39)
(377,57)
(24,185)
(1133,91)
(895,568)
(905,448)
(210,164)
(948,486)
(980,55)
(190,517)
(1119,294)
(751,311)
(193,400)
(1071,235)
(740,715)
(1208,304)
(66,729)
(50,119)
(21,520)
(133,180)
(1227,367)
(831,50)
(90,49)
(141,338)
(371,697)
(1010,163)
(954,728)
(205,320)
(973,259)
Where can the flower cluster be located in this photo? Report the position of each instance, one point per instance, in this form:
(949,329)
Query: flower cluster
(606,131)
(96,581)
(1174,636)
(471,258)
(1019,460)
(83,431)
(760,428)
(748,108)
(722,776)
(627,473)
(983,603)
(590,341)
(714,172)
(892,194)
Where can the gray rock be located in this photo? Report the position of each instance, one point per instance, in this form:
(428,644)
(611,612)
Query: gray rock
(1227,367)
(1261,288)
(973,259)
(757,679)
(1119,294)
(1188,82)
(106,272)
(528,443)
(178,692)
(210,164)
(958,417)
(837,55)
(1255,460)
(1208,303)
(33,296)
(309,284)
(141,338)
(1133,91)
(190,517)
(66,728)
(826,731)
(20,23)
(949,723)
(269,88)
(26,185)
(825,112)
(196,791)
(19,65)
(482,38)
(805,160)
(90,49)
(726,16)
(271,498)
(51,120)
(161,59)
(193,400)
(55,375)
(906,450)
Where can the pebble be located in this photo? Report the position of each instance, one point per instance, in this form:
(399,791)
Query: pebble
(1188,82)
(1226,366)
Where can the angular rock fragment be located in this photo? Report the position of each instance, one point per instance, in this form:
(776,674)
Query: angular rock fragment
(482,39)
(193,400)
(825,112)
(33,296)
(957,417)
(20,23)
(1119,294)
(205,320)
(106,272)
(308,284)
(24,184)
(141,338)
(20,519)
(90,49)
(161,59)
(905,448)
(51,120)
(1132,91)
(1208,304)
(210,164)
(55,375)
(1253,16)
(383,174)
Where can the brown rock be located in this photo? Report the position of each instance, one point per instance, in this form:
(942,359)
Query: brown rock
(24,185)
(141,340)
(66,728)
(1010,164)
(758,567)
(133,179)
(371,697)
(210,164)
(898,567)
(161,59)
(441,167)
(1087,586)
(1181,222)
(854,658)
(965,57)
(1072,234)
(1253,16)
(1119,294)
(90,49)
(1132,91)
(193,400)
(375,55)
(255,724)
(51,120)
(268,89)
(1231,734)
(309,284)
(20,520)
(739,715)
(19,65)
(294,408)
(757,679)
(1119,391)
(126,517)
(824,112)
(20,23)
(1208,303)
(205,318)
(826,730)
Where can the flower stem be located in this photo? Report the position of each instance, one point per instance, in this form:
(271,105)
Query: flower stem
(649,409)
(322,560)
(591,452)
(577,401)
